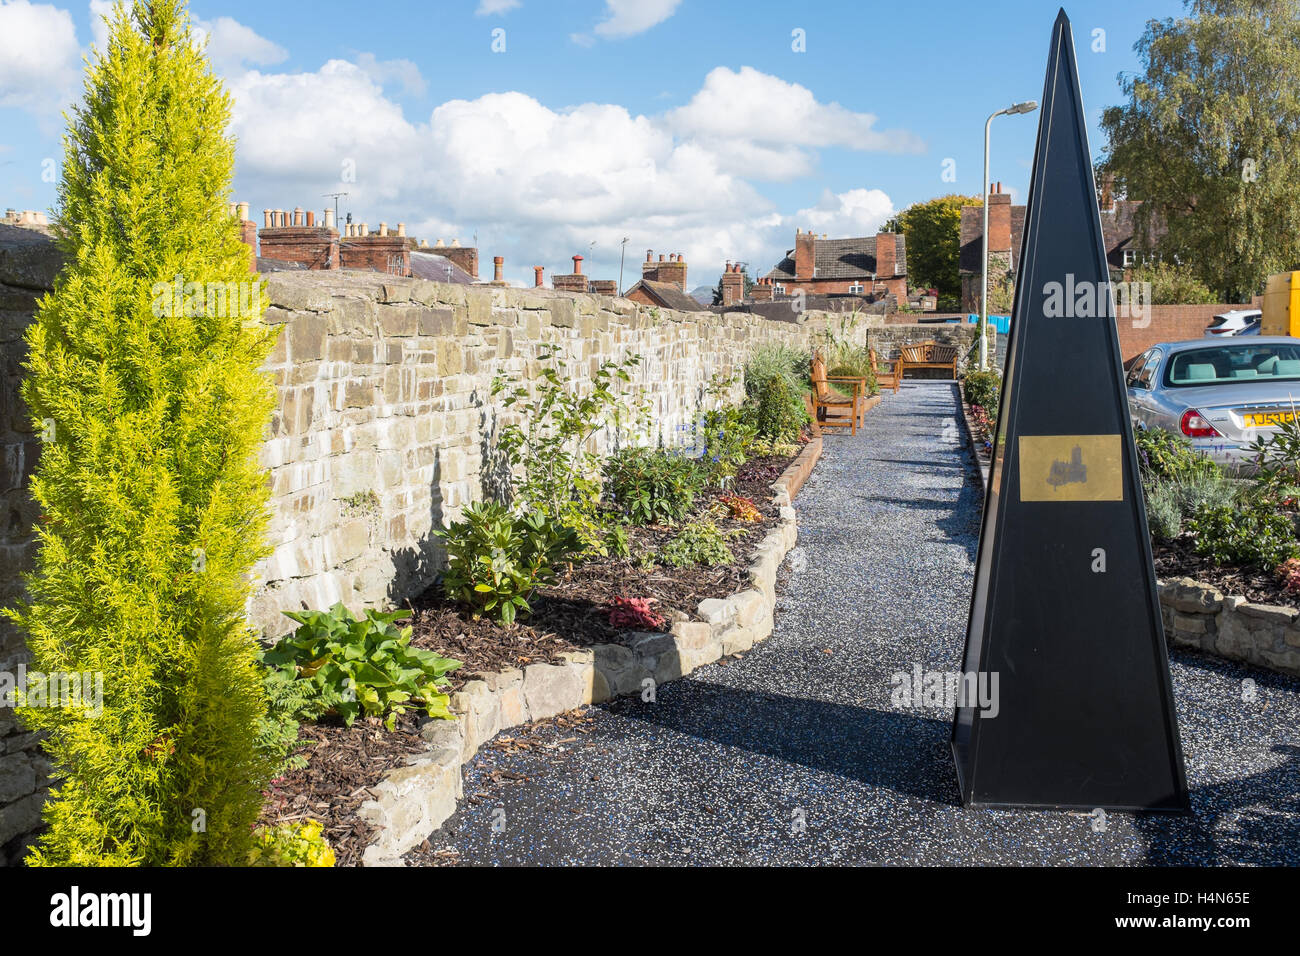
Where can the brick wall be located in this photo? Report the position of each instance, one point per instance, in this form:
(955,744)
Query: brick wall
(1168,323)
(382,431)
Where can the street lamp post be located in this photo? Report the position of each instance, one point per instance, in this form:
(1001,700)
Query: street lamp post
(1026,107)
(621,254)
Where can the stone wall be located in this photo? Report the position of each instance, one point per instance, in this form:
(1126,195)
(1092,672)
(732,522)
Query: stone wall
(385,426)
(382,434)
(1201,617)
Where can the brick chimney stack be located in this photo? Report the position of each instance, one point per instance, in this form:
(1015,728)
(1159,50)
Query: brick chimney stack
(574,281)
(732,284)
(673,271)
(293,237)
(463,257)
(999,220)
(804,256)
(886,255)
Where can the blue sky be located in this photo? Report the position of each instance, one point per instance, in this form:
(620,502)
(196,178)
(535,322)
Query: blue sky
(687,126)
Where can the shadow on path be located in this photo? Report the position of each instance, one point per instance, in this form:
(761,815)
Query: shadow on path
(895,750)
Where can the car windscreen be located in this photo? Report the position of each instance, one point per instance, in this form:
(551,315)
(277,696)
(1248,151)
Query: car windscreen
(1230,364)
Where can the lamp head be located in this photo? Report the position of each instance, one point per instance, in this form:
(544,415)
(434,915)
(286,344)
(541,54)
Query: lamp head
(1027,107)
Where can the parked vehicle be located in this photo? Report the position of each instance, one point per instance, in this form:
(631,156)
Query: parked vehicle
(1221,395)
(1234,322)
(1282,304)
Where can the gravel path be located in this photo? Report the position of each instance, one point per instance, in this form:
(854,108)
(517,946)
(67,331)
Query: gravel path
(794,754)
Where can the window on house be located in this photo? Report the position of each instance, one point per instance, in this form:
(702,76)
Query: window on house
(855,289)
(778,289)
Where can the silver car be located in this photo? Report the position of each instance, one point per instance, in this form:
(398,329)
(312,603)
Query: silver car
(1221,395)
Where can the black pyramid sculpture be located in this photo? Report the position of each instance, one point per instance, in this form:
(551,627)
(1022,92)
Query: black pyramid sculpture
(1064,609)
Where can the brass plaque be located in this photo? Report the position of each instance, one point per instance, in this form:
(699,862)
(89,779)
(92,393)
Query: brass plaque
(1071,468)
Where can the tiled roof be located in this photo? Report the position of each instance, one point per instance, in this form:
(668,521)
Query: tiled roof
(668,295)
(436,268)
(842,259)
(1118,226)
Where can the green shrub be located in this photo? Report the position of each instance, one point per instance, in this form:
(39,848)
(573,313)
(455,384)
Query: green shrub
(862,370)
(495,560)
(152,499)
(778,413)
(983,389)
(770,361)
(1164,512)
(698,543)
(1162,454)
(363,665)
(553,465)
(1253,534)
(289,701)
(651,486)
(618,542)
(291,844)
(724,437)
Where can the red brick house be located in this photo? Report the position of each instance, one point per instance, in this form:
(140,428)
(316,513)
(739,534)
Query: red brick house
(1006,230)
(663,284)
(866,266)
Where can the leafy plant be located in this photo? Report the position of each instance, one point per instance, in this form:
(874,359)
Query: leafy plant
(699,543)
(1164,513)
(151,492)
(291,844)
(1277,457)
(363,665)
(635,614)
(496,560)
(982,389)
(554,467)
(618,542)
(740,508)
(651,486)
(1288,574)
(1253,534)
(778,413)
(1162,454)
(775,360)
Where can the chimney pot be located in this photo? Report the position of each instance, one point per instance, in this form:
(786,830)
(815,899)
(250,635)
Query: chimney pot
(401,229)
(311,217)
(455,243)
(329,218)
(266,213)
(383,228)
(537,276)
(577,265)
(661,257)
(424,243)
(498,262)
(297,215)
(649,255)
(440,245)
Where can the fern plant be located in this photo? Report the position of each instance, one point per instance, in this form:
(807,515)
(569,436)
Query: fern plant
(153,502)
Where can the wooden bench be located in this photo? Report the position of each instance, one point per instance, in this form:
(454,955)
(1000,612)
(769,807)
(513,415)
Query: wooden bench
(929,355)
(887,376)
(826,400)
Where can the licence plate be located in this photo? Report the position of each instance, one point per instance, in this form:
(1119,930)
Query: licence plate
(1267,419)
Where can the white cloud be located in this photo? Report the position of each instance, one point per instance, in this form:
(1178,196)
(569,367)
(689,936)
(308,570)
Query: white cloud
(488,8)
(233,46)
(858,212)
(771,114)
(625,18)
(40,58)
(402,73)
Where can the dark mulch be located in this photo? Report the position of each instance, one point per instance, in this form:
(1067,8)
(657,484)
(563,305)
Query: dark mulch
(345,762)
(1178,559)
(573,612)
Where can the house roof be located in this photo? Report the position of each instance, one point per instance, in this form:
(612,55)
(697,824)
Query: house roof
(1118,226)
(668,295)
(853,258)
(436,268)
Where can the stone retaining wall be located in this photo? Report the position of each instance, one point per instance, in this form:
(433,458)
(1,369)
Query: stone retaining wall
(384,430)
(415,800)
(1202,618)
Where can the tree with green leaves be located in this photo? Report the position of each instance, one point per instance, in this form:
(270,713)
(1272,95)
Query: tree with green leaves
(144,385)
(933,234)
(1173,284)
(1208,141)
